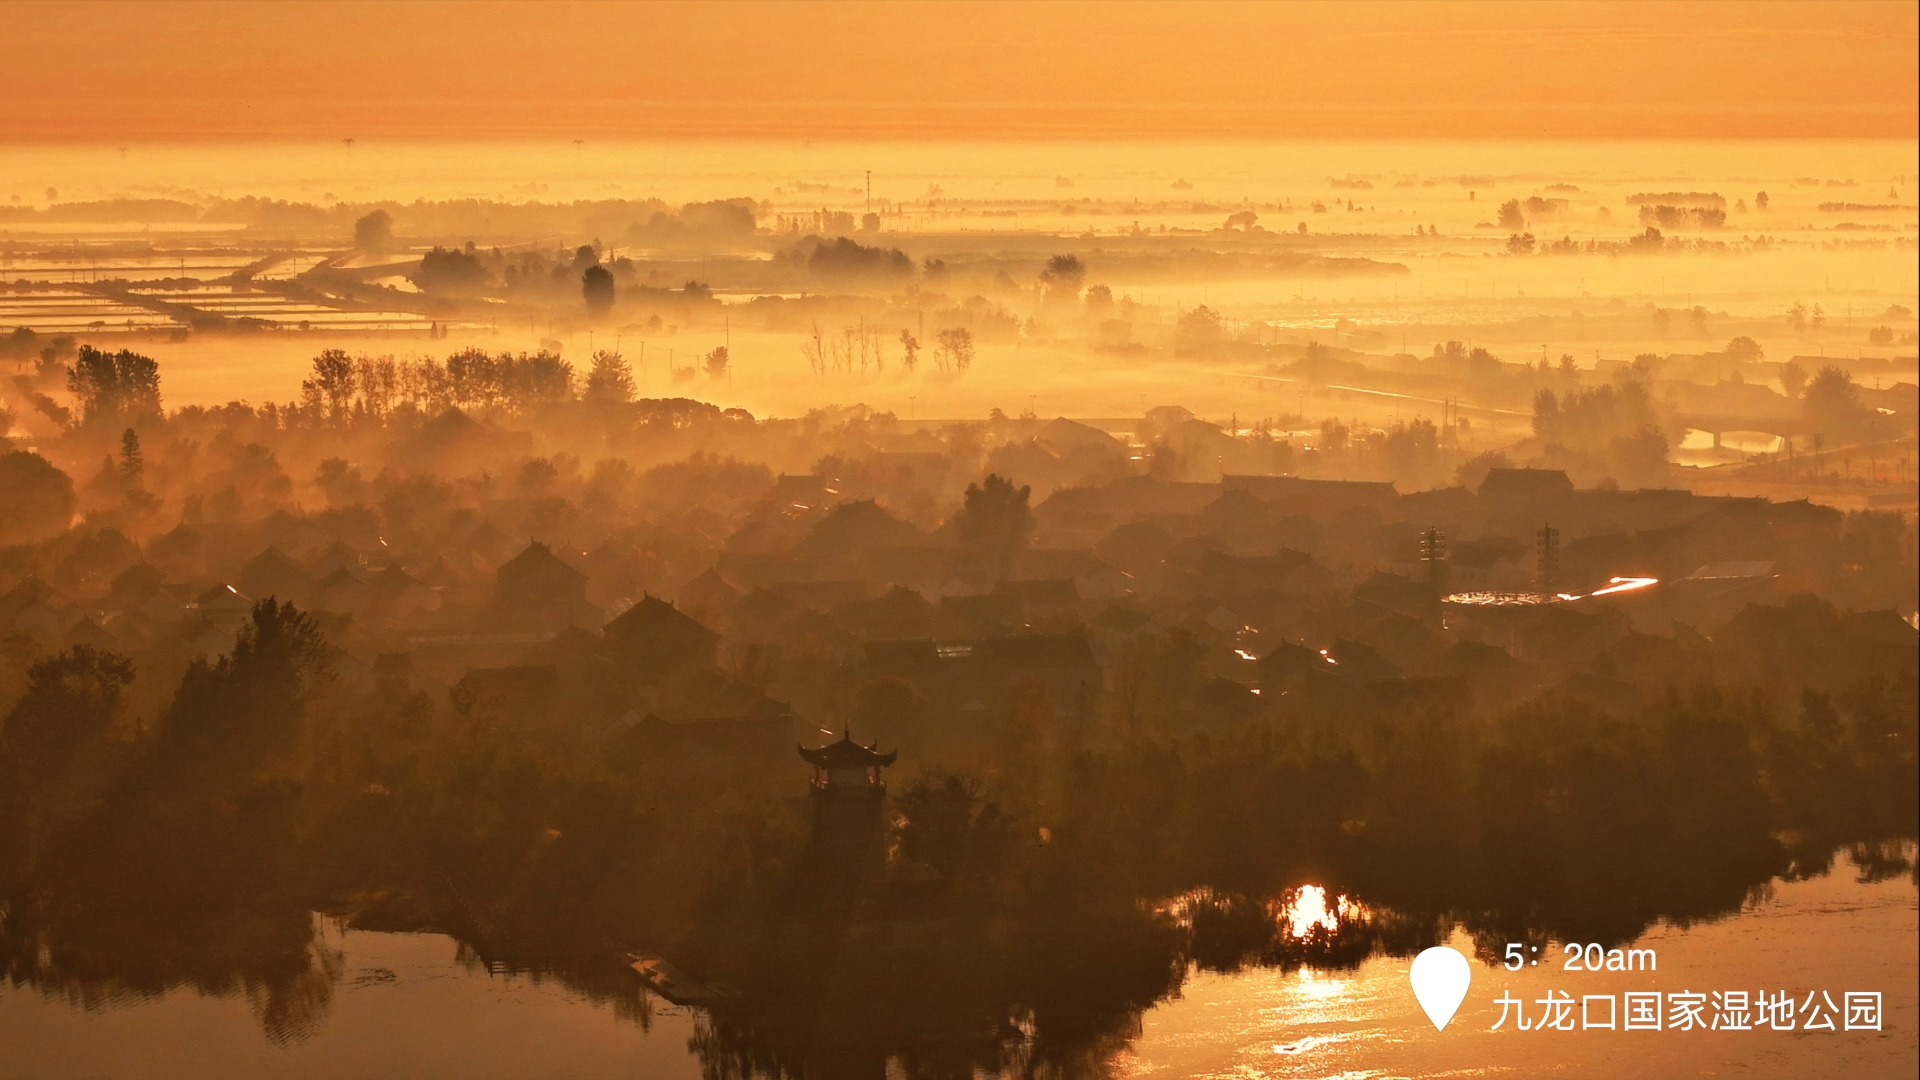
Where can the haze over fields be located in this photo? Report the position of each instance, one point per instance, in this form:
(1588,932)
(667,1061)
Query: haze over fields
(821,540)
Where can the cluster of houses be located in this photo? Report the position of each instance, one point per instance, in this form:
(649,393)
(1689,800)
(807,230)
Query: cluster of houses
(1132,603)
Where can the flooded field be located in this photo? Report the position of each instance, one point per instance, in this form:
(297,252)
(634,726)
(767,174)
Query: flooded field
(1383,248)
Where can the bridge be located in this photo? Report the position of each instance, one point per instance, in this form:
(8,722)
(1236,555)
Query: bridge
(1717,424)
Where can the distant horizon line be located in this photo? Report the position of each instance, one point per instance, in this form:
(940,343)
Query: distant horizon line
(189,138)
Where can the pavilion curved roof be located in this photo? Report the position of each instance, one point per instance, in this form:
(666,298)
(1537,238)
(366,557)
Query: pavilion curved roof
(847,754)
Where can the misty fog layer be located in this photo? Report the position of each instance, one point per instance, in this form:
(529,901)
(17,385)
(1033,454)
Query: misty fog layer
(918,606)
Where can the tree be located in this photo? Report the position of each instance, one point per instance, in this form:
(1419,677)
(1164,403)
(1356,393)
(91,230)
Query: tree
(331,386)
(451,272)
(1063,276)
(540,379)
(716,362)
(73,698)
(596,286)
(114,387)
(1546,413)
(1512,217)
(232,713)
(1793,378)
(39,498)
(1832,404)
(948,827)
(50,746)
(845,258)
(1760,202)
(373,232)
(1640,458)
(474,378)
(1472,471)
(910,349)
(1520,244)
(1198,333)
(991,528)
(133,464)
(1744,350)
(956,348)
(610,381)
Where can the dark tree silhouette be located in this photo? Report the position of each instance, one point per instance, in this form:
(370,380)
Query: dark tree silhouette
(38,497)
(992,527)
(133,463)
(1793,379)
(114,387)
(53,749)
(596,286)
(450,272)
(610,380)
(1832,404)
(1199,332)
(1063,276)
(947,826)
(845,258)
(373,232)
(331,386)
(1745,350)
(73,698)
(955,348)
(234,714)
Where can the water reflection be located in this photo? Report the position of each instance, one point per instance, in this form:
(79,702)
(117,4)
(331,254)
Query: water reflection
(1310,912)
(283,963)
(1319,992)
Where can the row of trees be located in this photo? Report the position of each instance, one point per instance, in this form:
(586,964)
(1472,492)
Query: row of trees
(114,389)
(859,349)
(343,388)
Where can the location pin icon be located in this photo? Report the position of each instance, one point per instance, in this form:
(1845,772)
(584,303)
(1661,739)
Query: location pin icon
(1440,978)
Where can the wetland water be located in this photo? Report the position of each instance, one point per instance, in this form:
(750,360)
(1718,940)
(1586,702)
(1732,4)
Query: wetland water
(387,1004)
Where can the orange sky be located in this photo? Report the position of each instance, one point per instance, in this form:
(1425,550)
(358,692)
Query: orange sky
(107,71)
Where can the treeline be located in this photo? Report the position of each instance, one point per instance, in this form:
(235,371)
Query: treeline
(1060,899)
(641,220)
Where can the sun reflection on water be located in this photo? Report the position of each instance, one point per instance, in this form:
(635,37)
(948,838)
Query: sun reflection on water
(1309,911)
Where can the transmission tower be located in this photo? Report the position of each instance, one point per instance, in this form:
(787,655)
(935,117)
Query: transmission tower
(1548,547)
(1433,552)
